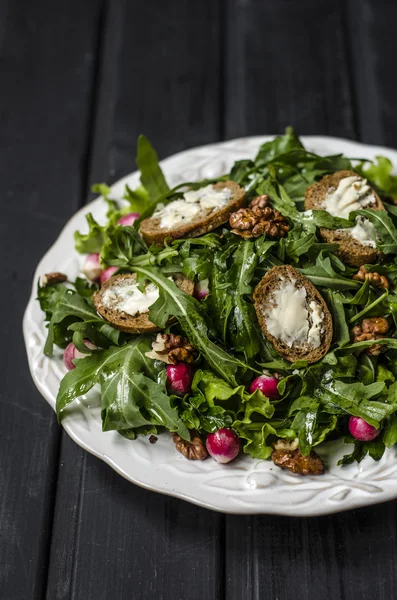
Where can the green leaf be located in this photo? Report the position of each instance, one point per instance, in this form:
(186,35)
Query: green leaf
(49,296)
(390,431)
(322,218)
(138,199)
(375,449)
(80,380)
(123,245)
(256,436)
(298,243)
(152,177)
(357,399)
(131,394)
(304,424)
(323,274)
(243,330)
(91,242)
(71,308)
(139,400)
(102,189)
(280,145)
(384,228)
(379,173)
(341,330)
(173,302)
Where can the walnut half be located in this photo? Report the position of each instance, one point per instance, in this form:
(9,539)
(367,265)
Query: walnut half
(379,281)
(52,279)
(193,450)
(295,462)
(257,219)
(373,328)
(172,349)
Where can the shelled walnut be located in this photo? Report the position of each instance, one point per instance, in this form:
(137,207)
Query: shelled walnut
(374,328)
(287,456)
(375,279)
(193,450)
(172,349)
(257,219)
(52,278)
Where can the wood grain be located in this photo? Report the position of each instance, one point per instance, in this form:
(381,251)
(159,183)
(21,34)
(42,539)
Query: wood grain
(79,82)
(372,48)
(46,72)
(285,65)
(153,77)
(293,71)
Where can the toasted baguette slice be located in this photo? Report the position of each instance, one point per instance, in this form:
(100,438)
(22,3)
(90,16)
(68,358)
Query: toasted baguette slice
(265,301)
(350,250)
(205,221)
(125,322)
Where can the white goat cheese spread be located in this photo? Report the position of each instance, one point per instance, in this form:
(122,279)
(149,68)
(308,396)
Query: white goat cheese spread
(353,193)
(193,202)
(126,297)
(291,319)
(364,232)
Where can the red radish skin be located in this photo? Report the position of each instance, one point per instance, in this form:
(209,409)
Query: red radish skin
(179,378)
(267,385)
(223,445)
(128,219)
(108,273)
(71,352)
(201,290)
(361,430)
(92,269)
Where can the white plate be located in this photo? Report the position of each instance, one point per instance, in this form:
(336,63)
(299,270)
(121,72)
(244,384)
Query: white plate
(247,485)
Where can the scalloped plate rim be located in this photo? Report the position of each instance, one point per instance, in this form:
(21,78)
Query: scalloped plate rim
(270,506)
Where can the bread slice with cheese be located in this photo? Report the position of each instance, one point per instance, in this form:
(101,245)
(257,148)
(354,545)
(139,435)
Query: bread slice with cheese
(198,212)
(123,305)
(353,248)
(293,315)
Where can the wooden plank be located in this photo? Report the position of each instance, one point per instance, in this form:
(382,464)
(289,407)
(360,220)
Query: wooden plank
(346,556)
(373,50)
(285,65)
(111,538)
(292,69)
(46,62)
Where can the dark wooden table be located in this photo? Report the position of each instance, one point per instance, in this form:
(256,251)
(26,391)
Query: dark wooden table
(79,81)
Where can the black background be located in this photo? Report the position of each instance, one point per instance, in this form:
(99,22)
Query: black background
(79,80)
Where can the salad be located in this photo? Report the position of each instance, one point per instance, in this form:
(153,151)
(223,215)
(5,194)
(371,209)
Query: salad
(255,312)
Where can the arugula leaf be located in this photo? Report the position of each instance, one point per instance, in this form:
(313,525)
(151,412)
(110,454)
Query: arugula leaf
(243,331)
(357,399)
(152,177)
(173,302)
(390,431)
(280,145)
(375,449)
(138,199)
(91,242)
(304,424)
(131,394)
(70,308)
(49,296)
(323,274)
(122,246)
(298,243)
(384,227)
(341,330)
(240,171)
